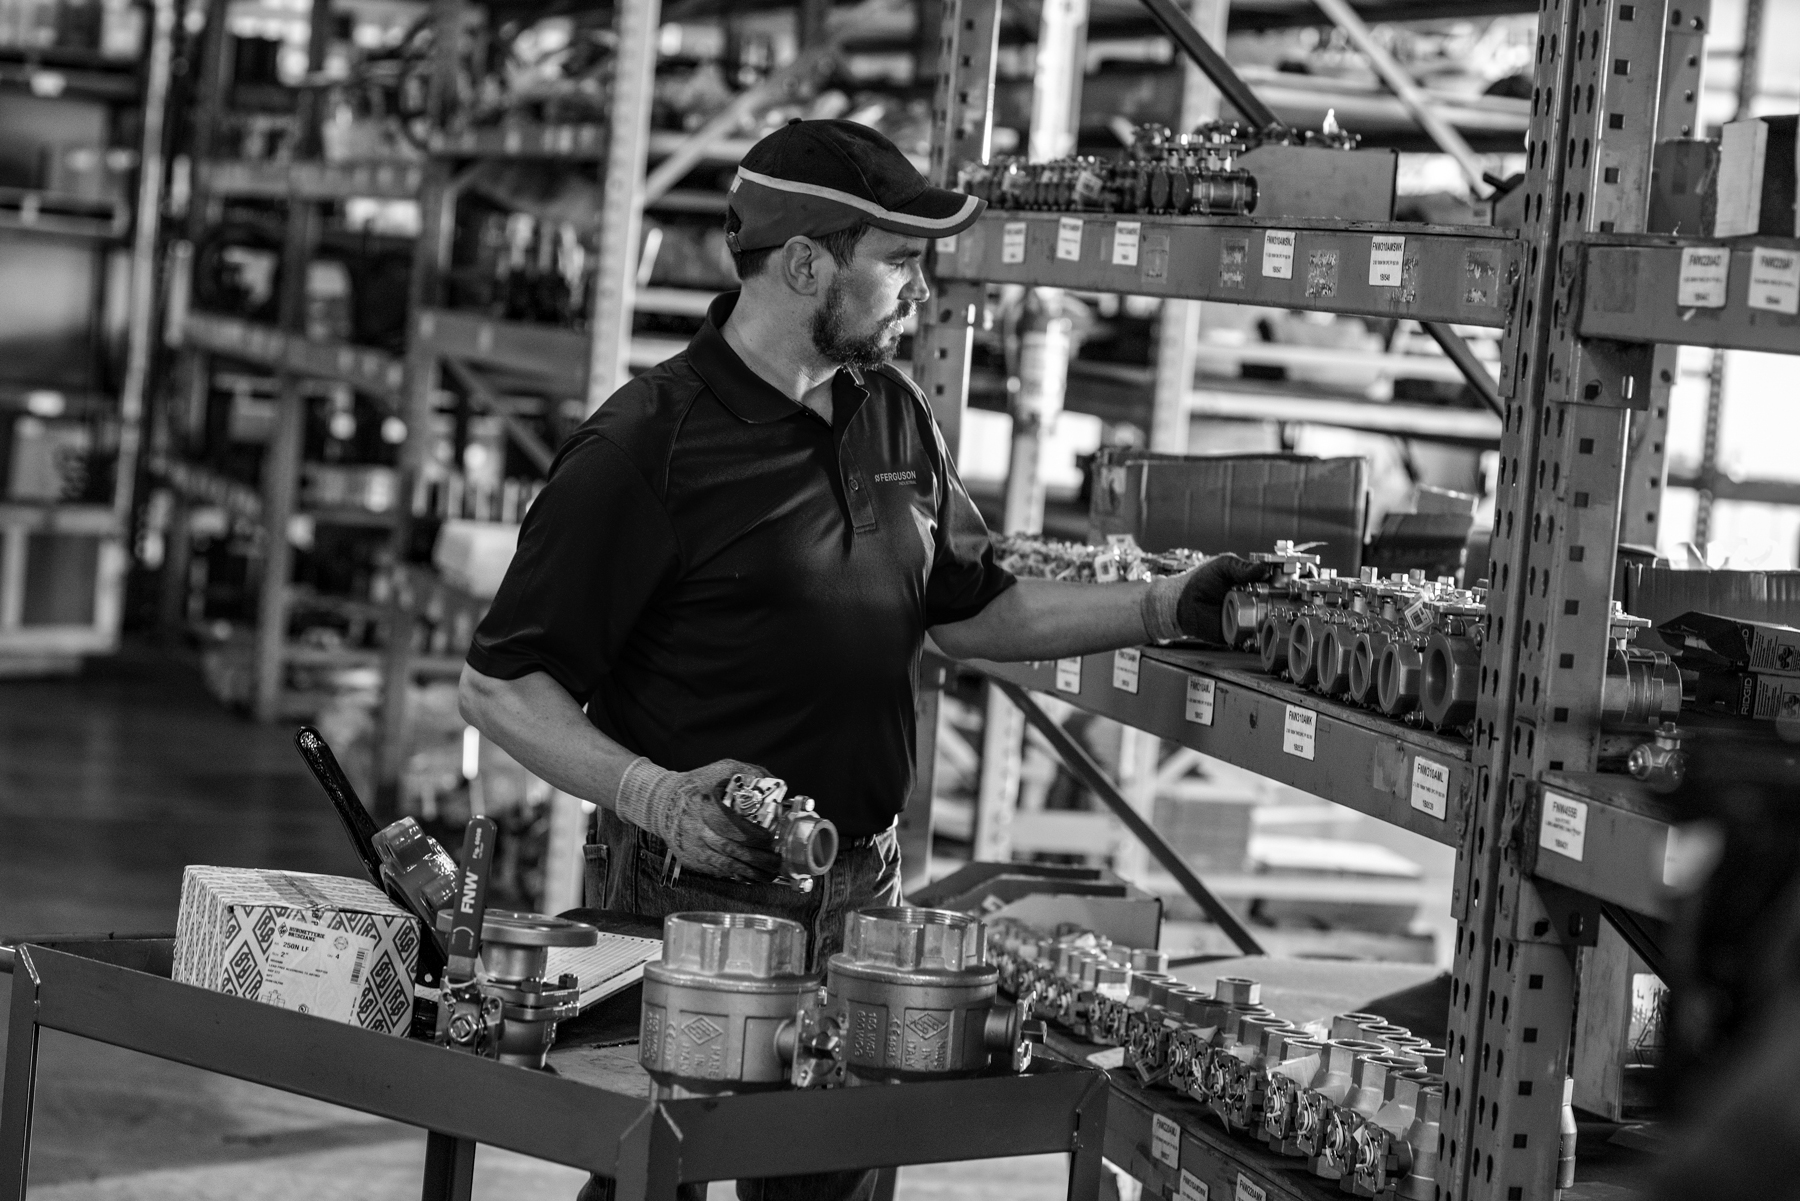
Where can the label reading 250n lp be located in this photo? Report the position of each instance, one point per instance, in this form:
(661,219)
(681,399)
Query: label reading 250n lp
(1564,826)
(1300,732)
(1125,243)
(1192,1188)
(1068,674)
(1430,787)
(1165,1141)
(1386,253)
(1249,1191)
(1775,280)
(1068,239)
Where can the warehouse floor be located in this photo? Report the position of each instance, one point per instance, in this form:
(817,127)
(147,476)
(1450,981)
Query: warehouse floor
(110,784)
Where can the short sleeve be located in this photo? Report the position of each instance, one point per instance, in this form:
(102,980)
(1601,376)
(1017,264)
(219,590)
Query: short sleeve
(964,575)
(594,549)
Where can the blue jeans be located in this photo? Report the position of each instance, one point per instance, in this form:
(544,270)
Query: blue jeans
(635,879)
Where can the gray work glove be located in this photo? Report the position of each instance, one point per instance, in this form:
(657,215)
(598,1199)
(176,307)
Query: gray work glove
(1189,605)
(685,810)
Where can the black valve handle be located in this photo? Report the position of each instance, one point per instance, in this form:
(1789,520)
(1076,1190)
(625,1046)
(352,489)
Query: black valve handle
(471,901)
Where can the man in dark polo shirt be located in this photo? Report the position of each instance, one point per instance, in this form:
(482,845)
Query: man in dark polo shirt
(738,556)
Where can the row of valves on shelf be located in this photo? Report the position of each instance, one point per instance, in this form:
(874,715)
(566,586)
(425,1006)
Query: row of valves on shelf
(731,1007)
(1361,1101)
(1411,648)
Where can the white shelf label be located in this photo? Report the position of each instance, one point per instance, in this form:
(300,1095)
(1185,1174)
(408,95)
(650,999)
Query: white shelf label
(1564,828)
(1248,1191)
(1704,270)
(1430,787)
(947,245)
(1068,239)
(1125,243)
(1775,280)
(1278,253)
(1165,1140)
(1068,674)
(1192,1188)
(1200,700)
(1012,242)
(1125,669)
(1385,254)
(1300,732)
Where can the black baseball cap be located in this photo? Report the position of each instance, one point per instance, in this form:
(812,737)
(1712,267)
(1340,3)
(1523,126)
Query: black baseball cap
(815,178)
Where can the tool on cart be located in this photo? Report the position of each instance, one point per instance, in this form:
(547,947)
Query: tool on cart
(806,842)
(495,1001)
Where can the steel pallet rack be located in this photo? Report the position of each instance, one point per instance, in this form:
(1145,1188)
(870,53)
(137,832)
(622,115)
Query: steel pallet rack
(1547,847)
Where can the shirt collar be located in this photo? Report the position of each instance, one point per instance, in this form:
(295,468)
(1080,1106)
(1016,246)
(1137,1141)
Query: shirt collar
(748,395)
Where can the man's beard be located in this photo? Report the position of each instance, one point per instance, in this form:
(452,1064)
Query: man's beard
(864,352)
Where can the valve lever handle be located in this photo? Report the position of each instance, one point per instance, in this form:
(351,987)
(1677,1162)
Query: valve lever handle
(357,822)
(471,901)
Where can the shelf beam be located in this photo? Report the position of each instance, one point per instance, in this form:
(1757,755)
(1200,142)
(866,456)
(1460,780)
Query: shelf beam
(1633,293)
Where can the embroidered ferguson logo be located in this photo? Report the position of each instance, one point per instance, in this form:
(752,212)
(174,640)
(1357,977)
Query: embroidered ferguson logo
(897,477)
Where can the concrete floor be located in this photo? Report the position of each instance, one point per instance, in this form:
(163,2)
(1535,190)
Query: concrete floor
(110,784)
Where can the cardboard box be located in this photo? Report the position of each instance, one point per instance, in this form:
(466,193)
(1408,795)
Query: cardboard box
(325,945)
(1312,181)
(1758,163)
(1752,645)
(1237,503)
(1747,694)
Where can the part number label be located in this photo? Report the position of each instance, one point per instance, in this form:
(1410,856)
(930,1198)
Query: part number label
(1012,242)
(1300,731)
(1775,280)
(1068,239)
(1068,674)
(1125,669)
(1247,1190)
(1199,700)
(1385,256)
(1278,254)
(1704,270)
(1430,787)
(1564,827)
(1165,1141)
(1192,1188)
(1125,243)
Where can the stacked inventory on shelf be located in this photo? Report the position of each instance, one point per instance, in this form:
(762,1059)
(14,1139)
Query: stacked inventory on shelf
(1583,294)
(82,97)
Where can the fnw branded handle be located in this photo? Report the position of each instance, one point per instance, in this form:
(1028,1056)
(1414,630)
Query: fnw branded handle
(471,900)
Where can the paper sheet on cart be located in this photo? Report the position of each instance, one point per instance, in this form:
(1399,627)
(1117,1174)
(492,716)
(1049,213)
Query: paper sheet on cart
(315,969)
(614,963)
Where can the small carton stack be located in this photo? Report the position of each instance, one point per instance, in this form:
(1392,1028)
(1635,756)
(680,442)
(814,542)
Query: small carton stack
(1740,668)
(325,945)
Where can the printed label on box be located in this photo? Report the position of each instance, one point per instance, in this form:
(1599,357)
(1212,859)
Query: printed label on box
(1012,242)
(1165,1140)
(1704,270)
(1200,700)
(1125,669)
(1430,787)
(317,970)
(1248,1191)
(1068,239)
(1068,674)
(1564,827)
(1300,731)
(1775,280)
(1192,1187)
(1125,243)
(1278,254)
(1385,254)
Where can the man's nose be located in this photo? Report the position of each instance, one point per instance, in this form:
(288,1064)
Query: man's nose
(917,289)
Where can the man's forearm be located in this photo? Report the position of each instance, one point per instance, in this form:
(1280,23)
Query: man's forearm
(537,722)
(1049,619)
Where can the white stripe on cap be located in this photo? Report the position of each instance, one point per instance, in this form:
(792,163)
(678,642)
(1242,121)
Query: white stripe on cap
(857,202)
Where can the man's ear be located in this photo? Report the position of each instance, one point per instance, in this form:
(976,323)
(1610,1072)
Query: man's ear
(800,261)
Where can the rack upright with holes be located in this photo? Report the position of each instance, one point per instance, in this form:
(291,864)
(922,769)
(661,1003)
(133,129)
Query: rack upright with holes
(1548,848)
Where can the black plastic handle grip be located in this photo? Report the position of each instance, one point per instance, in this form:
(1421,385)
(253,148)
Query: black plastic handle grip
(471,900)
(357,822)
